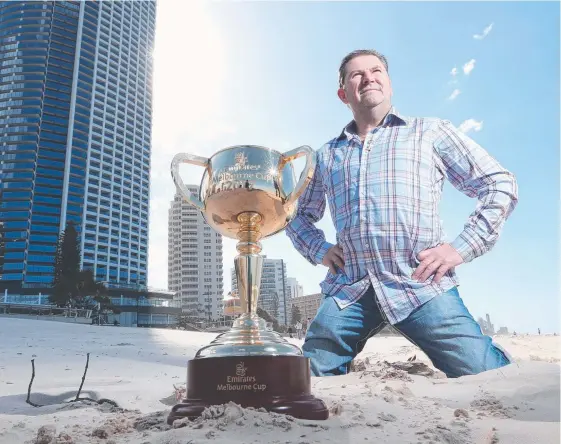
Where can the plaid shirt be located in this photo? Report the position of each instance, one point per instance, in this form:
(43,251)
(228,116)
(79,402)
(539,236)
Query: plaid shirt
(383,197)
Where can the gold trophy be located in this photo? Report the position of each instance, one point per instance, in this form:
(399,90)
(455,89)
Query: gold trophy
(248,193)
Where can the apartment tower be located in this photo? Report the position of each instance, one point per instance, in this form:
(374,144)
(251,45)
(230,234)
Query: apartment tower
(75,138)
(194,260)
(295,290)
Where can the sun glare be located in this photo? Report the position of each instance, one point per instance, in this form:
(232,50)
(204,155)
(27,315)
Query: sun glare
(188,69)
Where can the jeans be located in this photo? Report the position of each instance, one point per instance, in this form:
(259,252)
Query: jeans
(442,328)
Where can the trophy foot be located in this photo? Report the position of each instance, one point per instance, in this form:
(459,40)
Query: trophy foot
(302,407)
(190,408)
(279,384)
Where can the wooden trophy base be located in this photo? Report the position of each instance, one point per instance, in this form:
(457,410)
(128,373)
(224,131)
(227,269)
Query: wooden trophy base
(280,384)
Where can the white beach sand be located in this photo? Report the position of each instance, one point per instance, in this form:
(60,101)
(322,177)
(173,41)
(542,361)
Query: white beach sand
(137,368)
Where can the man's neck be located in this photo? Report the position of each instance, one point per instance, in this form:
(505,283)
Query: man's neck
(370,119)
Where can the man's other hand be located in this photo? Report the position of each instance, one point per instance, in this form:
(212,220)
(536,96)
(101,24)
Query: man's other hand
(437,261)
(334,259)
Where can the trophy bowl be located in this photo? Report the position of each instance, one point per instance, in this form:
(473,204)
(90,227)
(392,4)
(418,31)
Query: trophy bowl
(248,193)
(246,179)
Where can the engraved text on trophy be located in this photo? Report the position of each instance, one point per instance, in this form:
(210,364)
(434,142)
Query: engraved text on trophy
(241,382)
(240,175)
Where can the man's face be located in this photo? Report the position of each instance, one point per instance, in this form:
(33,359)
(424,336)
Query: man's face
(366,83)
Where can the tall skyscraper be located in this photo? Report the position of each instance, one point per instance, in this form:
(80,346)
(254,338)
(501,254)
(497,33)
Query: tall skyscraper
(75,138)
(194,260)
(273,291)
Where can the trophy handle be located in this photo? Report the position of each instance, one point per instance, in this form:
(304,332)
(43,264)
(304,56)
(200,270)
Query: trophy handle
(306,174)
(194,160)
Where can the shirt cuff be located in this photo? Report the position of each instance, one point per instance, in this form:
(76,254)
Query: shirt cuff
(318,255)
(468,245)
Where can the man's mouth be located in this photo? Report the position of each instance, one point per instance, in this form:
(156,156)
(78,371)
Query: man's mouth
(369,89)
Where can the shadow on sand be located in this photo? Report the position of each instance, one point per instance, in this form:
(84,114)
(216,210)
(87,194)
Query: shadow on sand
(17,405)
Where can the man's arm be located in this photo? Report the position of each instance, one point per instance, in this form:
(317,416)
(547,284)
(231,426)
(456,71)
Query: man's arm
(306,238)
(476,174)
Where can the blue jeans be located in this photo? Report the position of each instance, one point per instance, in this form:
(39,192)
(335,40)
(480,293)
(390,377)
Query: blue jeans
(442,328)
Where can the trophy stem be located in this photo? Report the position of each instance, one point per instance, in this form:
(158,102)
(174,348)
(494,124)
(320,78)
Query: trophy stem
(249,263)
(249,233)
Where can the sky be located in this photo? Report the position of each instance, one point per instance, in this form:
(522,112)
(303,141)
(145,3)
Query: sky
(265,73)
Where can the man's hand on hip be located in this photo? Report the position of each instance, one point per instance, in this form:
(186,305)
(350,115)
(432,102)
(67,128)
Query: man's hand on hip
(437,261)
(333,259)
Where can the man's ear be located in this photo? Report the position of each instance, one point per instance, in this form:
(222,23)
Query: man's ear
(342,96)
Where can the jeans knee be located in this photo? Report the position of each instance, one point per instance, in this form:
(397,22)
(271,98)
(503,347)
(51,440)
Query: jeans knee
(478,363)
(325,357)
(503,354)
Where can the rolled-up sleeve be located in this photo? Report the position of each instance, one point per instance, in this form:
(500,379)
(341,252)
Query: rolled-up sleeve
(305,236)
(474,172)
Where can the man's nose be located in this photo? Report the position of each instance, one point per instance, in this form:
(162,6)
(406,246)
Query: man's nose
(368,77)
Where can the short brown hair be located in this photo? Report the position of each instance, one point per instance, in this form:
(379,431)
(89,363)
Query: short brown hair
(359,52)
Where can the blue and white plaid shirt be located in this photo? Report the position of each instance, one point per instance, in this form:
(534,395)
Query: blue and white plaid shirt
(383,197)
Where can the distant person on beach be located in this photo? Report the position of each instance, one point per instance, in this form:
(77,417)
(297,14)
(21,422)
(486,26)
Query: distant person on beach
(382,177)
(298,328)
(307,323)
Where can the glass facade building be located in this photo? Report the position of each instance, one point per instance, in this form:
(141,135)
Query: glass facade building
(75,136)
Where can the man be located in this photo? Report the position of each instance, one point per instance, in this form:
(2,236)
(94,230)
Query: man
(383,178)
(298,327)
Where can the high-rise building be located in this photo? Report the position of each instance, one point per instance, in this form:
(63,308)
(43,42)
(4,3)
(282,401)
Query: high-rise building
(194,260)
(273,291)
(75,139)
(2,244)
(294,288)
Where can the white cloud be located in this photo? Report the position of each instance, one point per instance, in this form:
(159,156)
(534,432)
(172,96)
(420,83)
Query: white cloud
(470,125)
(454,71)
(468,67)
(454,94)
(486,31)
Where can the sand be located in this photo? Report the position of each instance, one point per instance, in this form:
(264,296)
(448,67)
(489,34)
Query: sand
(387,399)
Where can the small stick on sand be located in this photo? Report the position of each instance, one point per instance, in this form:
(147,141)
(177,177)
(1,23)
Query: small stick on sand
(83,378)
(30,383)
(99,401)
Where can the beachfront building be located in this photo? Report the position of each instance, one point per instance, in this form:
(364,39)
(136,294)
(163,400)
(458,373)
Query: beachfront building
(308,305)
(195,271)
(75,145)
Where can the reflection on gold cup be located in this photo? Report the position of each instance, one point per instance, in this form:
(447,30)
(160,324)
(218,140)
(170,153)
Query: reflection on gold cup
(248,193)
(232,305)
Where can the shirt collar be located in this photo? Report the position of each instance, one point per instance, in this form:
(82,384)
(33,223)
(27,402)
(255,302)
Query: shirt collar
(393,118)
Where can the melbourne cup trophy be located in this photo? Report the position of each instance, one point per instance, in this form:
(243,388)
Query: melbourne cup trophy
(248,193)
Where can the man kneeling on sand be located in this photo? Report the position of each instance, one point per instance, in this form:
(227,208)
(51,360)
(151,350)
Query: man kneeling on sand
(382,177)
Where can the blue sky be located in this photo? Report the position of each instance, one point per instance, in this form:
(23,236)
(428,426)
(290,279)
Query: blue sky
(266,73)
